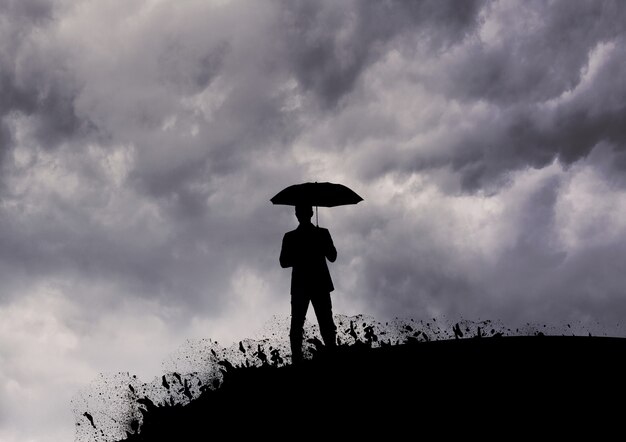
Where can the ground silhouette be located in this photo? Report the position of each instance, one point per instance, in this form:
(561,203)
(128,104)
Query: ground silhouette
(446,387)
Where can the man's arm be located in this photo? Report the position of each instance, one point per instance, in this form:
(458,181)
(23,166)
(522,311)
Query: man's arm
(331,252)
(286,255)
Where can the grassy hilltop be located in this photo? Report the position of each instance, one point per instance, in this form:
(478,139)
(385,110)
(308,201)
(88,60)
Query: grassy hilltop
(447,387)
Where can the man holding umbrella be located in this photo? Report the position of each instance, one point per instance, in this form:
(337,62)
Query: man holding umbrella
(306,250)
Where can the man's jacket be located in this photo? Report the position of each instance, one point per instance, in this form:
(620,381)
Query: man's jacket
(306,249)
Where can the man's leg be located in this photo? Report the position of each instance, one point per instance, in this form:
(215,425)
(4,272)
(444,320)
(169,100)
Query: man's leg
(324,312)
(299,307)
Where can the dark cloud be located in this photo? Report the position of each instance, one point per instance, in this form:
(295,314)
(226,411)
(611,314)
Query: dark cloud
(27,11)
(330,44)
(535,135)
(434,261)
(552,73)
(175,69)
(539,51)
(34,81)
(208,116)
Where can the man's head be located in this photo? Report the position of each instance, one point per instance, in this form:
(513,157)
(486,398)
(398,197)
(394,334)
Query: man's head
(304,213)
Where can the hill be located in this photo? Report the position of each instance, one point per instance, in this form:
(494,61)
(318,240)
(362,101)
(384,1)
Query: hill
(444,386)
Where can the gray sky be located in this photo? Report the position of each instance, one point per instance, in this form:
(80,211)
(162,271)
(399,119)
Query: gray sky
(140,143)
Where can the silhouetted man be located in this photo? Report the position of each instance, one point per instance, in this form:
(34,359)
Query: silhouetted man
(306,249)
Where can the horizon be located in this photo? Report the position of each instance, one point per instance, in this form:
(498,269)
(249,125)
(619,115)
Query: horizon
(140,144)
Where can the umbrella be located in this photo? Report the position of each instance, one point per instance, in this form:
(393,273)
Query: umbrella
(316,194)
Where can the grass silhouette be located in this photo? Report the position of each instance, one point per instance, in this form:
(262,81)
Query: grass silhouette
(446,387)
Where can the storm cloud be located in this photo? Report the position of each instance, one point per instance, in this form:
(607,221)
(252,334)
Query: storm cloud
(140,144)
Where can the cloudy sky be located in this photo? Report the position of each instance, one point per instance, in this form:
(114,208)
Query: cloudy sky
(140,142)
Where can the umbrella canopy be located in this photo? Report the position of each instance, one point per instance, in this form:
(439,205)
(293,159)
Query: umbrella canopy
(316,194)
